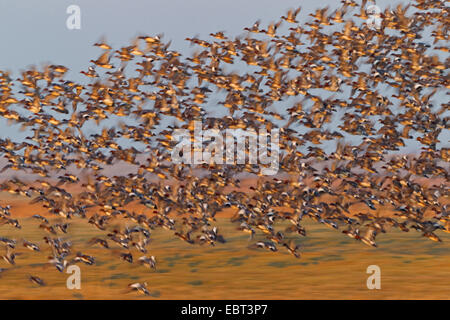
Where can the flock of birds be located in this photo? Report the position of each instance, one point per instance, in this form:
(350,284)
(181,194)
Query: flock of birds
(386,78)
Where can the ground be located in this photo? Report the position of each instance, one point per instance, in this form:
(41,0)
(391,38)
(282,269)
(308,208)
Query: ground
(332,266)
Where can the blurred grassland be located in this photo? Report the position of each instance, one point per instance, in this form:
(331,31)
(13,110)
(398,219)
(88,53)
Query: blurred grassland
(332,266)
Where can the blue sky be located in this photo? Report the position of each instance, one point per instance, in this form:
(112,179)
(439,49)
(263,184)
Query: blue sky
(35,32)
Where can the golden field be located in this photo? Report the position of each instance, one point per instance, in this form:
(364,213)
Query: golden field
(332,266)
